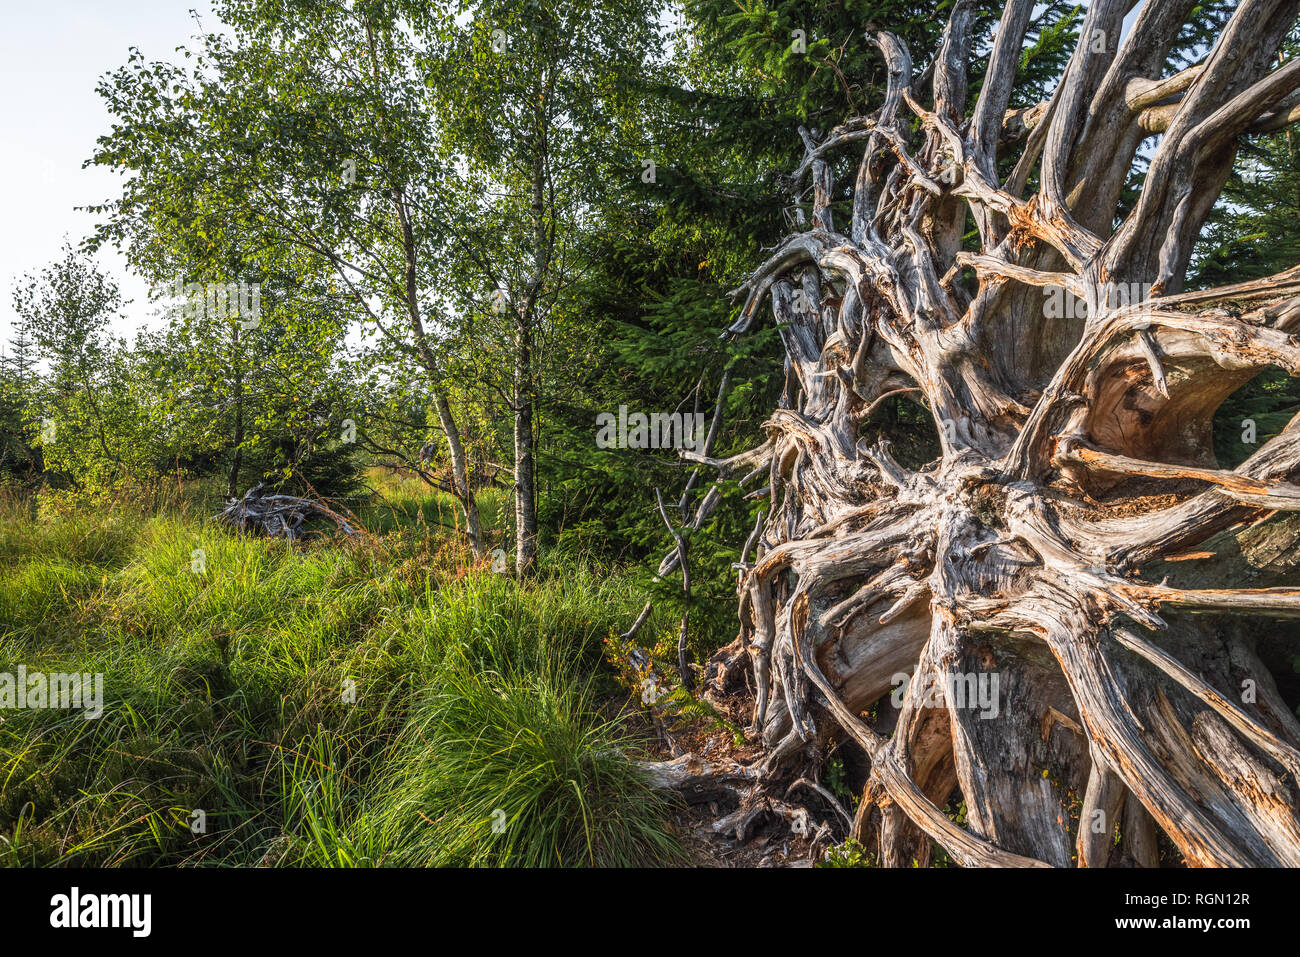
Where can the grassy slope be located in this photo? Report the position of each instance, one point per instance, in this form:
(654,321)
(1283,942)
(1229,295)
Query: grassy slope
(225,692)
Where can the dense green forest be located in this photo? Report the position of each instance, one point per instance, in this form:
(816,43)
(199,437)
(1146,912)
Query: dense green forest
(458,273)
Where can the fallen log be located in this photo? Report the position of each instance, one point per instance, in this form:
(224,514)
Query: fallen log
(275,515)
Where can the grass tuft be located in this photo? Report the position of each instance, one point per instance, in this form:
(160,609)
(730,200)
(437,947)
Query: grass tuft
(333,703)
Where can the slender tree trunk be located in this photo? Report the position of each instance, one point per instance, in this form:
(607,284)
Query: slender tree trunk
(460,471)
(455,449)
(525,461)
(237,460)
(1075,503)
(410,293)
(526,312)
(99,423)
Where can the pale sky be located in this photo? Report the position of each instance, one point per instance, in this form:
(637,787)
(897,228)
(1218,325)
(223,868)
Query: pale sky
(52,52)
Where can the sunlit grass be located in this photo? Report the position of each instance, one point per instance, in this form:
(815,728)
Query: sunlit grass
(317,703)
(403,499)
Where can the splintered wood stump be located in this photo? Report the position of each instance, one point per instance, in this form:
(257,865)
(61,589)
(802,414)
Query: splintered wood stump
(276,514)
(1063,551)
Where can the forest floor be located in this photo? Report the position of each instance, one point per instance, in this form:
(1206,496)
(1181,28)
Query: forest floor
(382,700)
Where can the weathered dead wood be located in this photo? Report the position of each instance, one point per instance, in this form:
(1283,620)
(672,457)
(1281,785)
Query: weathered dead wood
(995,560)
(276,515)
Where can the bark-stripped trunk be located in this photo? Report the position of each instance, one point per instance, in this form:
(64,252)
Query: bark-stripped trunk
(1075,525)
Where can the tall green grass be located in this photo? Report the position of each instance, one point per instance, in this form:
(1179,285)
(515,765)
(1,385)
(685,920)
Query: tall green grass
(516,768)
(404,500)
(336,703)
